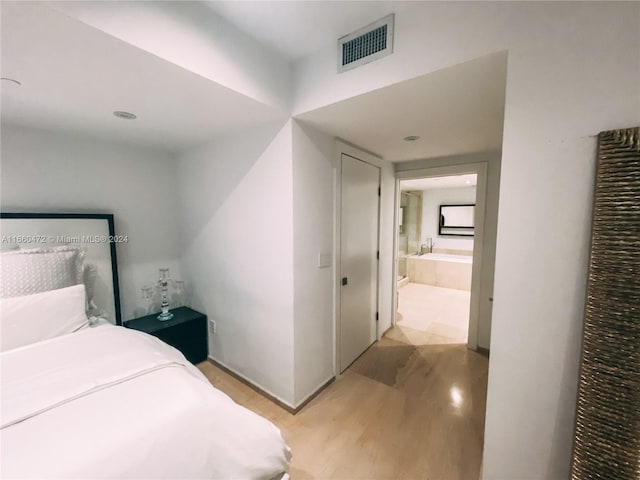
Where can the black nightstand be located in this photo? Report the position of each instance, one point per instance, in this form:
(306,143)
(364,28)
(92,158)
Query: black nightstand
(186,331)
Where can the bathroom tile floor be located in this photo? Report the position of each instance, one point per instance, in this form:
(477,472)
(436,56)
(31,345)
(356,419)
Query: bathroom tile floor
(429,315)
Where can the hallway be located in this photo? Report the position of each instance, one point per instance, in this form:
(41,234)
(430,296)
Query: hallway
(404,409)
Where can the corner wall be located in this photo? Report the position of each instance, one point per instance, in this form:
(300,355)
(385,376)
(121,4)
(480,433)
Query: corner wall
(313,234)
(236,199)
(46,171)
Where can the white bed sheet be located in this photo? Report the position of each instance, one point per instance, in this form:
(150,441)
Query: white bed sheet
(109,402)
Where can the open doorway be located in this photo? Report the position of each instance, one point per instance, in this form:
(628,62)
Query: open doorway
(435,258)
(457,226)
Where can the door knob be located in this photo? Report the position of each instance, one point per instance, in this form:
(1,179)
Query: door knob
(344,280)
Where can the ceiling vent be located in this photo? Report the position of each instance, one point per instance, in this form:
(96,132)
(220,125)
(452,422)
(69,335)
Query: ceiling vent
(366,44)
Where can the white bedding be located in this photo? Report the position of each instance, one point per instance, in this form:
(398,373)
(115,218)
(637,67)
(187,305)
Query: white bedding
(109,402)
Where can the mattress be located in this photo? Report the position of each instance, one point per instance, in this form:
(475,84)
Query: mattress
(110,402)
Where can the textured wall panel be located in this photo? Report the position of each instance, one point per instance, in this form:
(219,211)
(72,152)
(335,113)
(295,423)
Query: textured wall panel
(607,441)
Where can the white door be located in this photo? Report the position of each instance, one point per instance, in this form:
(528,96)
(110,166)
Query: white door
(358,258)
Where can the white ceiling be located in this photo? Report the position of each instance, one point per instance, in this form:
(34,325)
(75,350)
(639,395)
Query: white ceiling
(455,111)
(74,76)
(298,28)
(431,183)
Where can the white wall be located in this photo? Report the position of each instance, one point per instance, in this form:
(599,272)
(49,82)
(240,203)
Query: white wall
(313,233)
(51,172)
(236,198)
(567,80)
(386,279)
(431,201)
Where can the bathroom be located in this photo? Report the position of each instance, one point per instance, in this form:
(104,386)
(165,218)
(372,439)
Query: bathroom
(435,255)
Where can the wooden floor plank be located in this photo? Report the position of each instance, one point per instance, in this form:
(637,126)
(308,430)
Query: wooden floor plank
(406,409)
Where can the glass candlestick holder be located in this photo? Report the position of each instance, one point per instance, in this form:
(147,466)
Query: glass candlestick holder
(164,293)
(163,284)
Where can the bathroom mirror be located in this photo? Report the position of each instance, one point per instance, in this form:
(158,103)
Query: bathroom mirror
(457,220)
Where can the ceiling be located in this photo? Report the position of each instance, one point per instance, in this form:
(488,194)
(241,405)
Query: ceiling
(298,28)
(74,76)
(431,183)
(455,111)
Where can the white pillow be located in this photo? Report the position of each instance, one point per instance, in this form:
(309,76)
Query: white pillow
(32,318)
(35,270)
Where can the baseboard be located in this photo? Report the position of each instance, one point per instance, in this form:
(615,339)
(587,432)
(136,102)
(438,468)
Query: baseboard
(385,332)
(262,391)
(269,396)
(314,394)
(483,351)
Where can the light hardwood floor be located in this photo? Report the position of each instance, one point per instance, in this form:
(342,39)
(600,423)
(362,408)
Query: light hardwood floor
(404,410)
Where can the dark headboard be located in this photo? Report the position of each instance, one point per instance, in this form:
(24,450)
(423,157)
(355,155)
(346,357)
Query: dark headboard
(94,232)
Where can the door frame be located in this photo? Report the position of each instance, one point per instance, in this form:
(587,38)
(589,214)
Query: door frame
(342,147)
(480,169)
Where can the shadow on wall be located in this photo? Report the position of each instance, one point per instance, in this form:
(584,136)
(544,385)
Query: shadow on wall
(148,306)
(319,141)
(237,240)
(208,174)
(565,418)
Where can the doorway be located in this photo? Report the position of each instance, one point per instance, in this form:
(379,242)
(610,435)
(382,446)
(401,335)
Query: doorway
(433,241)
(435,258)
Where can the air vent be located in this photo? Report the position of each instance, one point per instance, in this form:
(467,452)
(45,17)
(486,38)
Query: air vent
(366,44)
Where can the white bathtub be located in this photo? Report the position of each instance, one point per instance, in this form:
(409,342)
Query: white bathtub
(441,270)
(446,257)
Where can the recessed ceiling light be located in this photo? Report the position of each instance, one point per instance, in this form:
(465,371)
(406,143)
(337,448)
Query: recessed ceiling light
(411,138)
(125,115)
(468,182)
(12,80)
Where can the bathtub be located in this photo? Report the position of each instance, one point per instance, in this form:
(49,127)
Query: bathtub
(446,257)
(441,270)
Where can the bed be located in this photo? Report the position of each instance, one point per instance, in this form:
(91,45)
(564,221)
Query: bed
(83,397)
